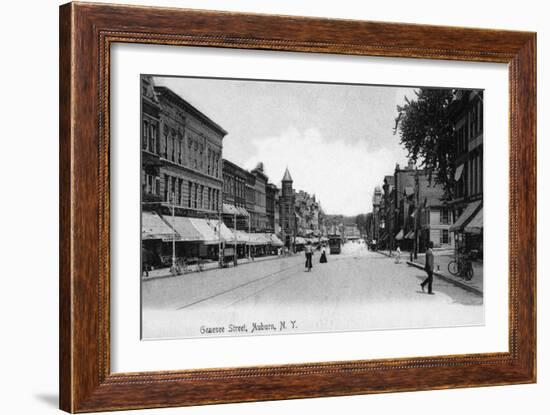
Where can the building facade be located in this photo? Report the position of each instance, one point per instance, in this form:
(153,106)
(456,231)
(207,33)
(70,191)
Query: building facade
(308,214)
(376,222)
(287,211)
(259,216)
(404,179)
(272,208)
(435,217)
(234,212)
(467,204)
(150,147)
(190,151)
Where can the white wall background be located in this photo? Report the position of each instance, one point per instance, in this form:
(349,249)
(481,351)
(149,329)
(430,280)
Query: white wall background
(29,208)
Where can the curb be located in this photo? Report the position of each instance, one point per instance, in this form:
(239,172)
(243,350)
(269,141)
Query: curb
(204,270)
(451,280)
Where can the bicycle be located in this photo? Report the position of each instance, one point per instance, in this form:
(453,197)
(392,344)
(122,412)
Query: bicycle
(180,267)
(462,267)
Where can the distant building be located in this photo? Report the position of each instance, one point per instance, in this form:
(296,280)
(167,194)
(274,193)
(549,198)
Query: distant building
(308,214)
(272,208)
(259,216)
(376,222)
(287,211)
(387,214)
(435,216)
(234,211)
(404,179)
(351,232)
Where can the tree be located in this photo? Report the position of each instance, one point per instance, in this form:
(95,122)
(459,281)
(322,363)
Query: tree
(425,128)
(361,221)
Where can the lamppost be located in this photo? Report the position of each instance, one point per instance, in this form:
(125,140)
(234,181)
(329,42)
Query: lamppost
(417,213)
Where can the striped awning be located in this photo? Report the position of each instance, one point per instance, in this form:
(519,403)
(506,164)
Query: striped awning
(208,235)
(275,241)
(468,213)
(228,209)
(476,224)
(185,229)
(153,227)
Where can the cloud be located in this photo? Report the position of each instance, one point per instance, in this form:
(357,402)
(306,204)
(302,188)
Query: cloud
(341,174)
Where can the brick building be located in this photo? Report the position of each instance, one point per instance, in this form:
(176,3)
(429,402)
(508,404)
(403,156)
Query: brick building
(467,203)
(190,151)
(287,211)
(234,211)
(150,127)
(259,214)
(272,208)
(181,178)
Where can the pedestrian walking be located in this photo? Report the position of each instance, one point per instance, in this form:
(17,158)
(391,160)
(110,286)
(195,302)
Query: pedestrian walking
(429,268)
(323,259)
(309,254)
(398,255)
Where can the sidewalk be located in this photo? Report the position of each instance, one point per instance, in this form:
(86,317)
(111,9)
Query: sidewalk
(441,262)
(165,272)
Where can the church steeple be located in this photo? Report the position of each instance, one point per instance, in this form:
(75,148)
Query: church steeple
(287,177)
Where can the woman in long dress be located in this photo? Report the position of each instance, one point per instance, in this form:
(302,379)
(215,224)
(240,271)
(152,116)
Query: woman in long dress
(323,259)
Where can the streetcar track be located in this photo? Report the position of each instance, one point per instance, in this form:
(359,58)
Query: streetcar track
(260,290)
(236,287)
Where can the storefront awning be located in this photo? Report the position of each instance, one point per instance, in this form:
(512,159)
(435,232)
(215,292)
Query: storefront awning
(399,235)
(410,235)
(222,231)
(299,241)
(208,235)
(476,224)
(458,172)
(465,217)
(243,211)
(153,227)
(184,227)
(275,241)
(228,209)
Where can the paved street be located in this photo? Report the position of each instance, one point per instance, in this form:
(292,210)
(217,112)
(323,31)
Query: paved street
(356,290)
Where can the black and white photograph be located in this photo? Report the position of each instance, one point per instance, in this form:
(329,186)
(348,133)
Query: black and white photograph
(275,207)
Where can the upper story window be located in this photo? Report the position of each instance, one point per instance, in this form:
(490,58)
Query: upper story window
(444,216)
(145,133)
(152,142)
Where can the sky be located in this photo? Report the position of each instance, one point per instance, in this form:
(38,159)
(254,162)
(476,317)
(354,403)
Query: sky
(336,139)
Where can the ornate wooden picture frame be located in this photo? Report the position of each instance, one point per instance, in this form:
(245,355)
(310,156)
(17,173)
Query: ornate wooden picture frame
(87,32)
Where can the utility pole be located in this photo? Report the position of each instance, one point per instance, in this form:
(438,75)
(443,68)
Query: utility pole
(249,229)
(173,200)
(417,215)
(220,248)
(235,236)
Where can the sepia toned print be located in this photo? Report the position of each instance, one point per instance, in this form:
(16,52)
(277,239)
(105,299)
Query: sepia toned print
(277,207)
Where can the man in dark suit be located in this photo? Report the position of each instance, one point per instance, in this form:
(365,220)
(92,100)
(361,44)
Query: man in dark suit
(429,268)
